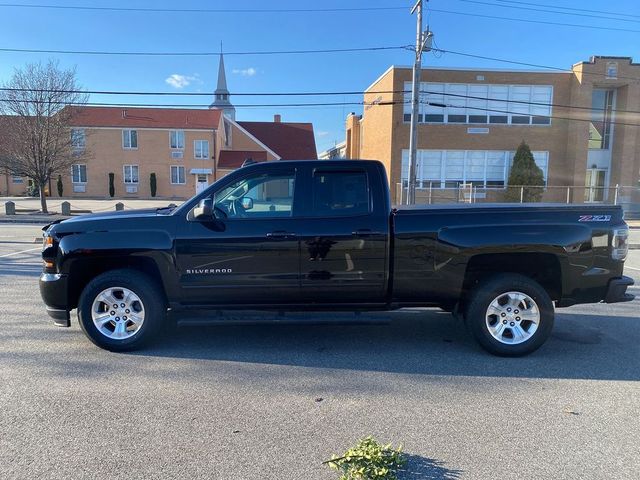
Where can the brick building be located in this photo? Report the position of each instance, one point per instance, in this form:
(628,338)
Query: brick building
(581,125)
(187,149)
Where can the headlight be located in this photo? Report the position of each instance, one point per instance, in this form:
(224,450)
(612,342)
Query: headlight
(620,243)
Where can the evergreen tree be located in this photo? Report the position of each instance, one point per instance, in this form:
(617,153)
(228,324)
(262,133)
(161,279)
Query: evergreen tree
(60,186)
(112,189)
(524,173)
(153,184)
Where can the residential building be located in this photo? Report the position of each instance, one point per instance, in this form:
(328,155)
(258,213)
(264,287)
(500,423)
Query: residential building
(186,148)
(582,126)
(338,151)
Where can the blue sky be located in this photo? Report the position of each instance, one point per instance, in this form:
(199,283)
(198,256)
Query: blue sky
(554,45)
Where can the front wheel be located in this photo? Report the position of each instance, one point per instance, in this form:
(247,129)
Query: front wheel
(510,315)
(121,310)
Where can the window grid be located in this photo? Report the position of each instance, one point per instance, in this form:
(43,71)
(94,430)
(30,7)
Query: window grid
(178,175)
(201,149)
(79,173)
(131,174)
(78,138)
(490,107)
(452,168)
(129,139)
(176,139)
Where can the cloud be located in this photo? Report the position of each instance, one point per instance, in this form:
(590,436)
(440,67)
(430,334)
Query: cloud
(179,81)
(245,72)
(322,133)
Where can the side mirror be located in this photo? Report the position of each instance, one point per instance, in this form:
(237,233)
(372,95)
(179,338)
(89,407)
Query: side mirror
(247,203)
(204,210)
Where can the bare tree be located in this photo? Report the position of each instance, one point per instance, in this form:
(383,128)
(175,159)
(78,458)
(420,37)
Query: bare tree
(38,142)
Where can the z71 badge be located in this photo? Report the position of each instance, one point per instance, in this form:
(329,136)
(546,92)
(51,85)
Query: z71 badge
(594,218)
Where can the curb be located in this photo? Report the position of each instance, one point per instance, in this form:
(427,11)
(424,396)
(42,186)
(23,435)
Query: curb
(31,220)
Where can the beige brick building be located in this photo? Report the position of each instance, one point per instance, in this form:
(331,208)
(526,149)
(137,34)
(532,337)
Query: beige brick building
(581,125)
(187,149)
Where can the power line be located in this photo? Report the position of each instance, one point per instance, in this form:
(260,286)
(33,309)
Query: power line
(570,8)
(576,14)
(525,64)
(201,10)
(333,104)
(203,54)
(543,22)
(307,94)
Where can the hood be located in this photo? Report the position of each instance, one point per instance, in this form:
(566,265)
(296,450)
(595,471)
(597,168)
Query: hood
(104,220)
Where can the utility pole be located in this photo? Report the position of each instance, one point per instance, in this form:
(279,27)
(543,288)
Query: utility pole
(423,43)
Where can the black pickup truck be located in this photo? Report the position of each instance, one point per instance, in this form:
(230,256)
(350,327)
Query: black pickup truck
(321,235)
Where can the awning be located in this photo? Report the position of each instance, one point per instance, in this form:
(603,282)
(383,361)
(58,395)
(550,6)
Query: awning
(200,171)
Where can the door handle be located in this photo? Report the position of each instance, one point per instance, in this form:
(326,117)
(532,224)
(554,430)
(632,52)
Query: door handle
(279,234)
(365,232)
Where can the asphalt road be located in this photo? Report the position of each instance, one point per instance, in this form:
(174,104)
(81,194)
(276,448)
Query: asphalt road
(273,402)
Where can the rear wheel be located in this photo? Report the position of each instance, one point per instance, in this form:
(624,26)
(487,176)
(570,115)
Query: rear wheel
(510,315)
(121,310)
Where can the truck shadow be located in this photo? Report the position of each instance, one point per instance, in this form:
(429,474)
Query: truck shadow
(426,342)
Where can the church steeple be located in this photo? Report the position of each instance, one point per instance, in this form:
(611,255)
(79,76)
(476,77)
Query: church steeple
(221,100)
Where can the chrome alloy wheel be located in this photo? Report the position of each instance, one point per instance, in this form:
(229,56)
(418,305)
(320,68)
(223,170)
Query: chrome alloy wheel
(117,313)
(512,318)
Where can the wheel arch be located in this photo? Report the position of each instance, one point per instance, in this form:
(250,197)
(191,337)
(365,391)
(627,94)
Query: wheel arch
(543,268)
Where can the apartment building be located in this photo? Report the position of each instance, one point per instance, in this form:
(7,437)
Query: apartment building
(582,127)
(186,148)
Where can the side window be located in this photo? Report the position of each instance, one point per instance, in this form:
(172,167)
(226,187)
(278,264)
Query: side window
(258,196)
(340,193)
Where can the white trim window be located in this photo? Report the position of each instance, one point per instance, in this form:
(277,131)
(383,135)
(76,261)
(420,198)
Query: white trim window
(452,168)
(201,149)
(78,138)
(176,139)
(130,174)
(129,139)
(79,173)
(17,179)
(481,104)
(178,175)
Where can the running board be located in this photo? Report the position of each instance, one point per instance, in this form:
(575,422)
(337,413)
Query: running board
(235,317)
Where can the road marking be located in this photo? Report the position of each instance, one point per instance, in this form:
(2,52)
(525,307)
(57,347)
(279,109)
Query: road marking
(21,251)
(632,268)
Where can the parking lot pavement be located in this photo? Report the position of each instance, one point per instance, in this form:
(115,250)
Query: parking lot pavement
(273,402)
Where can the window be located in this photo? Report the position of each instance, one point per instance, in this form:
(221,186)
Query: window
(79,173)
(176,139)
(129,139)
(17,179)
(481,104)
(340,193)
(451,168)
(177,175)
(600,126)
(130,173)
(201,149)
(78,138)
(258,196)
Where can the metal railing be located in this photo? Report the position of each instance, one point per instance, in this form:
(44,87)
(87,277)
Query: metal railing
(432,193)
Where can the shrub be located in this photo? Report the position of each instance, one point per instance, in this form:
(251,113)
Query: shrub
(368,460)
(112,189)
(153,185)
(60,186)
(524,173)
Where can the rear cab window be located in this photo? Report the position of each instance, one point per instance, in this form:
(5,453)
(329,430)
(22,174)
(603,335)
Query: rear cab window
(338,193)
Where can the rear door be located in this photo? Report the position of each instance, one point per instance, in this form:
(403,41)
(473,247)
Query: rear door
(343,248)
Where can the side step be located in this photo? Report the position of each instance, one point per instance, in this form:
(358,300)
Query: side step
(251,317)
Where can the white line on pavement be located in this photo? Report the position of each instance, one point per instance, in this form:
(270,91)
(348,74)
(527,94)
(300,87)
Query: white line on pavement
(632,268)
(21,251)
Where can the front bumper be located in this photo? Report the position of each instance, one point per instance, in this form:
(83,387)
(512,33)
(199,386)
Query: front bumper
(54,293)
(617,290)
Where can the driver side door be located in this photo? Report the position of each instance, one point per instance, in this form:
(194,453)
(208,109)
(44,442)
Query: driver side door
(249,254)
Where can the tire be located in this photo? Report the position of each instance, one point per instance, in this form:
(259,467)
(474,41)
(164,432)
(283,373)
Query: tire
(510,315)
(136,310)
